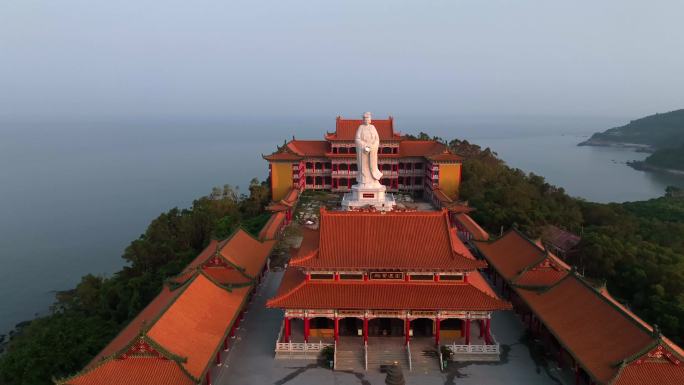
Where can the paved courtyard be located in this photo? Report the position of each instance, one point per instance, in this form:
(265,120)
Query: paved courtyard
(250,359)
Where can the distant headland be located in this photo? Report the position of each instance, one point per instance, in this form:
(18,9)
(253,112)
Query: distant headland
(660,134)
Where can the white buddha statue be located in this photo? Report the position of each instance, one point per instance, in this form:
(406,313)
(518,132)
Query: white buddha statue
(367,143)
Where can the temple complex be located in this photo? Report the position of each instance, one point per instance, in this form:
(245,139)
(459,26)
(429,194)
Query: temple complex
(422,167)
(380,284)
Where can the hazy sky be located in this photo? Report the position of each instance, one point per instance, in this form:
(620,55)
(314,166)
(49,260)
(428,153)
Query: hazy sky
(236,58)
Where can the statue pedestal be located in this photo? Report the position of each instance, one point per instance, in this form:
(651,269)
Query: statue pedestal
(363,196)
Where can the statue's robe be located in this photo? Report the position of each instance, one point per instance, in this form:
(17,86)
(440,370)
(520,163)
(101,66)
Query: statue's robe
(368,172)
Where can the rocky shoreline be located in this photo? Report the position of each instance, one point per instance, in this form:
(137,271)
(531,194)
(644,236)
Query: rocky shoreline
(638,147)
(643,166)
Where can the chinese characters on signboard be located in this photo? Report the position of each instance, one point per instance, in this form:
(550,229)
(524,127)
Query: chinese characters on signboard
(386,275)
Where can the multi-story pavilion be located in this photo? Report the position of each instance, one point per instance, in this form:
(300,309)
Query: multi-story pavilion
(394,274)
(416,166)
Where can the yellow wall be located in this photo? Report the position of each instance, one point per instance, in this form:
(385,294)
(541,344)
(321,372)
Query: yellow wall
(281,180)
(450,179)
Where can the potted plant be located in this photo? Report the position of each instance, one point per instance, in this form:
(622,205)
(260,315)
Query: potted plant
(328,354)
(446,355)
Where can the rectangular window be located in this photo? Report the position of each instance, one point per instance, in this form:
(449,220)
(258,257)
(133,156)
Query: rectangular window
(352,276)
(451,277)
(421,277)
(322,276)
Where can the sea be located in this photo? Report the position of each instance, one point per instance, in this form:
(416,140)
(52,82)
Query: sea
(75,192)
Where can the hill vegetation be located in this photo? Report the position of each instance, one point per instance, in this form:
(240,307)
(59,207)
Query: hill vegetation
(83,320)
(663,159)
(655,131)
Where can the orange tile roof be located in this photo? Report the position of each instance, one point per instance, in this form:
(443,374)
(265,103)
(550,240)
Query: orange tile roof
(660,372)
(235,260)
(345,129)
(420,148)
(590,327)
(297,293)
(247,252)
(478,233)
(443,199)
(309,245)
(286,203)
(149,313)
(196,323)
(133,371)
(272,226)
(429,149)
(421,240)
(511,253)
(282,156)
(309,147)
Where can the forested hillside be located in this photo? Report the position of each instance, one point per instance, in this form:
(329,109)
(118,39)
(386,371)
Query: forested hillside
(85,319)
(658,131)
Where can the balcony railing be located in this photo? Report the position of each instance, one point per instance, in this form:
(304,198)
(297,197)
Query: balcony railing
(345,172)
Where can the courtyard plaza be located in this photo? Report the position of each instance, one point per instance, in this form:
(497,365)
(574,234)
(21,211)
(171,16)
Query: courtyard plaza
(250,358)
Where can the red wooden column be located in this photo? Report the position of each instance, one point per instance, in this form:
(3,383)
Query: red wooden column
(208,377)
(287,329)
(337,329)
(365,329)
(306,329)
(488,333)
(437,324)
(407,330)
(577,375)
(218,358)
(467,331)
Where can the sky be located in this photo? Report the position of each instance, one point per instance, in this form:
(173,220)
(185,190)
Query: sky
(75,58)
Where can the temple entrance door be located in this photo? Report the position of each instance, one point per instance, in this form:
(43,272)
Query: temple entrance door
(350,326)
(389,327)
(423,327)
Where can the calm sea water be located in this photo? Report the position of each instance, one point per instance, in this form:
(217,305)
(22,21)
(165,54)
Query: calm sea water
(73,194)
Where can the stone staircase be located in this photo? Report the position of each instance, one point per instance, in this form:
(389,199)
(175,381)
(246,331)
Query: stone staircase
(385,351)
(424,355)
(350,354)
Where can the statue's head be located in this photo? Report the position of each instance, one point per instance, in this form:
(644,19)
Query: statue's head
(367,118)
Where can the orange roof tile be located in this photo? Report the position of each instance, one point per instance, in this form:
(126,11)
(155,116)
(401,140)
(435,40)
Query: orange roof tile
(443,199)
(247,252)
(297,293)
(133,371)
(510,254)
(478,233)
(590,327)
(651,371)
(282,156)
(272,226)
(196,323)
(429,149)
(420,148)
(286,203)
(131,331)
(309,147)
(421,240)
(345,129)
